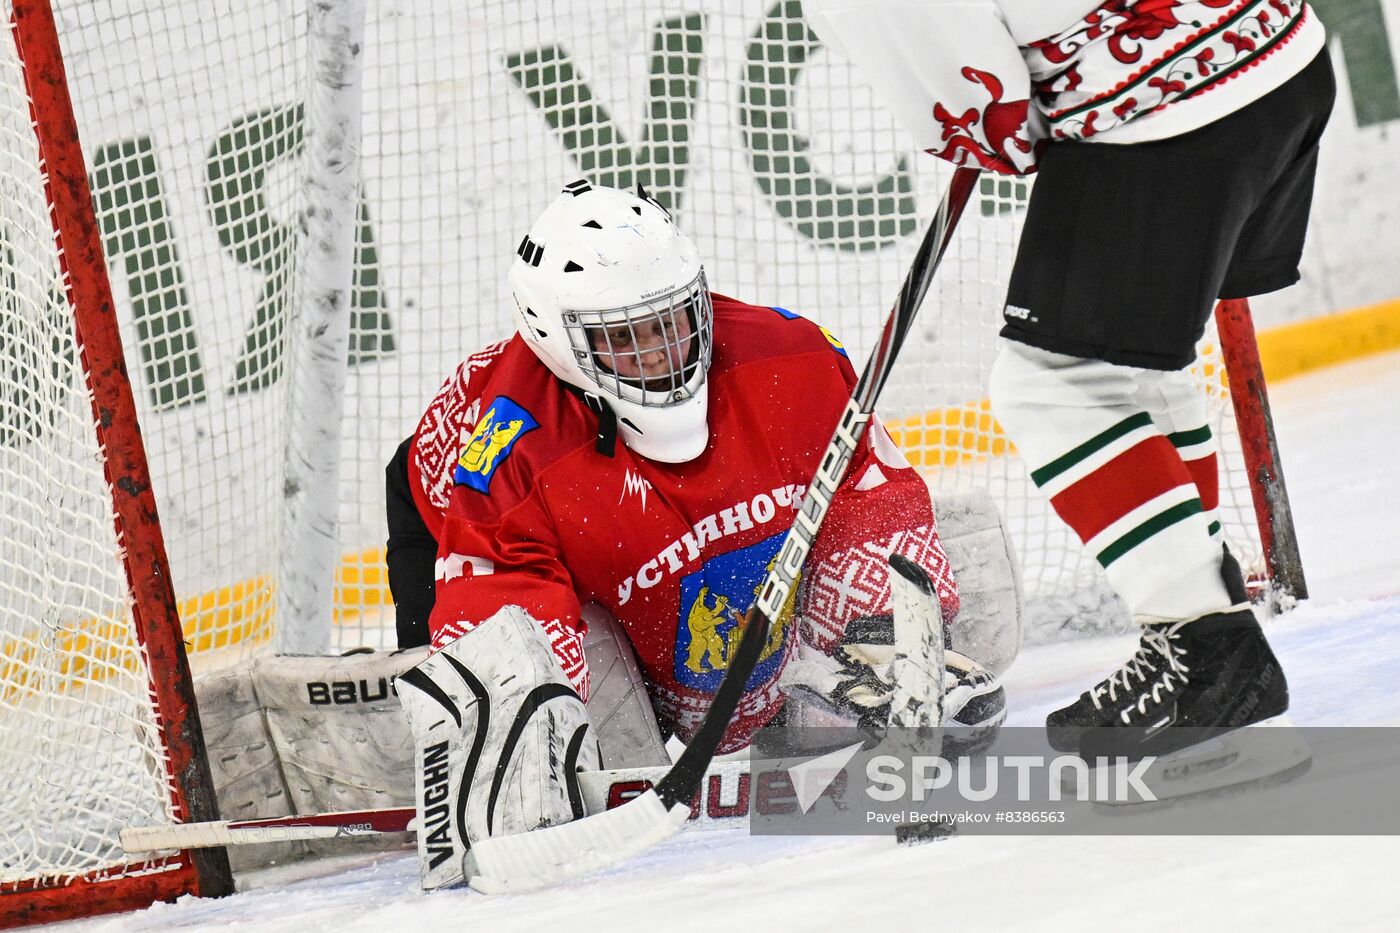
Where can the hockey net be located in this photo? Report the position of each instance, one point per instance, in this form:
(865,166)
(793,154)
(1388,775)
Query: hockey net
(95,695)
(795,183)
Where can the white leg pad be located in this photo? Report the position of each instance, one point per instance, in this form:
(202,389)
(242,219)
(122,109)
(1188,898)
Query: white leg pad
(618,703)
(990,622)
(499,738)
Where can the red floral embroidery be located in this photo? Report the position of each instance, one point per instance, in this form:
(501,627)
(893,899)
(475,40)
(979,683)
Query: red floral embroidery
(955,126)
(1003,125)
(1176,50)
(1165,86)
(1240,43)
(1148,19)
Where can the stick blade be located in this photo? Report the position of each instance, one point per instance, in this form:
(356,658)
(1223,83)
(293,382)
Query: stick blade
(555,854)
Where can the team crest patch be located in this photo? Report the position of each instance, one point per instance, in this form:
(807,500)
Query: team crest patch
(496,433)
(836,345)
(713,602)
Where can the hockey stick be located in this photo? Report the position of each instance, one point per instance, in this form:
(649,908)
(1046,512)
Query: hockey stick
(137,839)
(528,861)
(726,795)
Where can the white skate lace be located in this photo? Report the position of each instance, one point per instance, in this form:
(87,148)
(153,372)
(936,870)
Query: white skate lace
(1155,644)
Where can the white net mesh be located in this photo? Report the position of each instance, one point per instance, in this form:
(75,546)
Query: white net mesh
(795,183)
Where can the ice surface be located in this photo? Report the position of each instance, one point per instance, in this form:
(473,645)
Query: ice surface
(1340,436)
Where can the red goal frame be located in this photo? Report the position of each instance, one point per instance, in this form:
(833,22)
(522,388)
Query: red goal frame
(1254,419)
(154,613)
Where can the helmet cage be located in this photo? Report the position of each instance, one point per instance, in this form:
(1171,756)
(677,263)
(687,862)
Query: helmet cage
(654,353)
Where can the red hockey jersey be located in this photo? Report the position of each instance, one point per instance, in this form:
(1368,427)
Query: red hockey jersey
(526,511)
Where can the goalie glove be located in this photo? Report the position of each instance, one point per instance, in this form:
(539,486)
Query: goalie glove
(499,738)
(856,683)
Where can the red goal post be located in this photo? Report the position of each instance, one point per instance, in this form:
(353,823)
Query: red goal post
(111,881)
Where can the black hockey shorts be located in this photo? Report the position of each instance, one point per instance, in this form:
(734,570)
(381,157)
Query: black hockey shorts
(1126,247)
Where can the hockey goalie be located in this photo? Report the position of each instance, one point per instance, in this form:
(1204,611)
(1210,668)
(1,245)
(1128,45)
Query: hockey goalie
(634,455)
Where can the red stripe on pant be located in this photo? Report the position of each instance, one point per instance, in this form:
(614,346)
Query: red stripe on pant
(1136,476)
(1207,476)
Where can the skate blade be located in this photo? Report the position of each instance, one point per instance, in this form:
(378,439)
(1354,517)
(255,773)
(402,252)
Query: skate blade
(1260,755)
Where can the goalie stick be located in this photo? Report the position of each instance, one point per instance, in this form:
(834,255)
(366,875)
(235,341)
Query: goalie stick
(529,861)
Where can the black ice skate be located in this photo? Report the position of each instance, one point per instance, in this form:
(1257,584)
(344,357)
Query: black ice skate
(1103,704)
(1194,686)
(1214,673)
(1098,705)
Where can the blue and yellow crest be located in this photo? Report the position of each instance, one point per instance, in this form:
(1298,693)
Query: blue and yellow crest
(713,602)
(836,345)
(496,433)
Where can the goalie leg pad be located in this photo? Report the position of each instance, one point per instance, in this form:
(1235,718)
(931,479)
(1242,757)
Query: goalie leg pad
(991,619)
(499,739)
(618,703)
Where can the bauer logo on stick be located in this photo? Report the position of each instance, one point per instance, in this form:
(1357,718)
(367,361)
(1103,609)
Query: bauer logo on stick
(491,442)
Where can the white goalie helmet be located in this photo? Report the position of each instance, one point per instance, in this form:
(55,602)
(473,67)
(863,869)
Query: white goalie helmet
(611,296)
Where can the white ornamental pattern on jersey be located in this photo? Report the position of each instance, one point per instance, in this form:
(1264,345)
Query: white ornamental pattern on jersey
(855,582)
(448,425)
(1164,51)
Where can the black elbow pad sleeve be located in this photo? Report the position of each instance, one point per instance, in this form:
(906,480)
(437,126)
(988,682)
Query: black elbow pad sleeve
(411,554)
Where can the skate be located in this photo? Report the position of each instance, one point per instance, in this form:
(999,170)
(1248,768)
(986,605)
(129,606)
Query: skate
(1102,704)
(1098,705)
(1195,686)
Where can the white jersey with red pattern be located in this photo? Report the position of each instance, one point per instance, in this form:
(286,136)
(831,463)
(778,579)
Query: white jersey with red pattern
(986,83)
(505,471)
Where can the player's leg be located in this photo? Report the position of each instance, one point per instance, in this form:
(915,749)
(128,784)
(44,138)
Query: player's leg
(1178,409)
(1114,477)
(1097,317)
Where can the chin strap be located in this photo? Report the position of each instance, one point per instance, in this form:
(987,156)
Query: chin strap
(606,441)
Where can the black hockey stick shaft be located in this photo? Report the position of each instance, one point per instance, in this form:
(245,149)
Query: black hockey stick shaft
(683,780)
